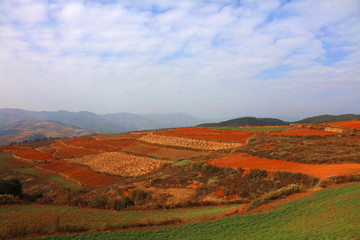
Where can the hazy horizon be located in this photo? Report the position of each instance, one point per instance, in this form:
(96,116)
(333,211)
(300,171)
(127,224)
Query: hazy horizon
(282,59)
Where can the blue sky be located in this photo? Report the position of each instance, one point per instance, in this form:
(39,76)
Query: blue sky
(210,59)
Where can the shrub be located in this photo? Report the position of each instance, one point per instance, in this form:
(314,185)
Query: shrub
(119,204)
(258,173)
(98,201)
(12,186)
(280,193)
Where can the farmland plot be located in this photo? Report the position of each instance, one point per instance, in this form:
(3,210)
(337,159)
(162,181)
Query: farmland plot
(303,132)
(64,150)
(322,171)
(162,152)
(209,134)
(188,143)
(82,175)
(119,163)
(29,154)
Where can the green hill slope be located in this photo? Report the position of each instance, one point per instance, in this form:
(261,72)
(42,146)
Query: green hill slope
(247,121)
(329,118)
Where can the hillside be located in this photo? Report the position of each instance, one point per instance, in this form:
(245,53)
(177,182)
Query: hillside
(253,121)
(247,121)
(329,118)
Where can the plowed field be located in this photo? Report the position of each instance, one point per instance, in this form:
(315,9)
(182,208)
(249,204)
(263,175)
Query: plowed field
(348,124)
(29,154)
(209,134)
(303,132)
(64,150)
(92,143)
(119,163)
(322,171)
(162,152)
(188,142)
(82,175)
(119,137)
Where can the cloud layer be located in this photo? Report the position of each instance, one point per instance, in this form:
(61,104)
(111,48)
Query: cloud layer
(209,59)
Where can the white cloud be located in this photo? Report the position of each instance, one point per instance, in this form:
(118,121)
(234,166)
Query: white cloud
(147,55)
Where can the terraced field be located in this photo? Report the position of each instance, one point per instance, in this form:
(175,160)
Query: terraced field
(183,167)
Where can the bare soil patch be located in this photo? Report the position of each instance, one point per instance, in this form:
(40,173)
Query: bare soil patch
(322,171)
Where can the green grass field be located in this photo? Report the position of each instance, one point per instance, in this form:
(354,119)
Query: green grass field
(51,177)
(253,128)
(4,156)
(328,214)
(43,219)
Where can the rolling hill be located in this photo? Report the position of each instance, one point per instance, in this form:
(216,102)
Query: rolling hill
(253,121)
(18,131)
(247,121)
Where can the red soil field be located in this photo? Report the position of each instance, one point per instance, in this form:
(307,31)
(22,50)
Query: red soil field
(209,134)
(322,171)
(64,150)
(303,132)
(29,154)
(90,142)
(83,175)
(118,137)
(348,124)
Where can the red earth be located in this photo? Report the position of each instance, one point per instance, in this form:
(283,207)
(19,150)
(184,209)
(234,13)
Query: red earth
(322,171)
(29,154)
(303,132)
(349,124)
(83,175)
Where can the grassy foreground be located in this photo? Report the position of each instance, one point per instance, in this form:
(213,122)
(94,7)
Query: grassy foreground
(328,214)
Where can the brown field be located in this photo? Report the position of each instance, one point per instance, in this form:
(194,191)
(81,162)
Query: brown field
(322,171)
(303,132)
(82,175)
(183,142)
(119,163)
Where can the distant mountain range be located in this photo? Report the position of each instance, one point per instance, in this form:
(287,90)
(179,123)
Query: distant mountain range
(17,122)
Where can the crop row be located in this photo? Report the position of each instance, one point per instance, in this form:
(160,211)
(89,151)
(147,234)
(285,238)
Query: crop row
(119,163)
(188,143)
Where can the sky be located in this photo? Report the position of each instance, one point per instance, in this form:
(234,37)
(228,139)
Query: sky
(209,59)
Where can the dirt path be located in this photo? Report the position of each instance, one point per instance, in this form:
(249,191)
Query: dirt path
(322,171)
